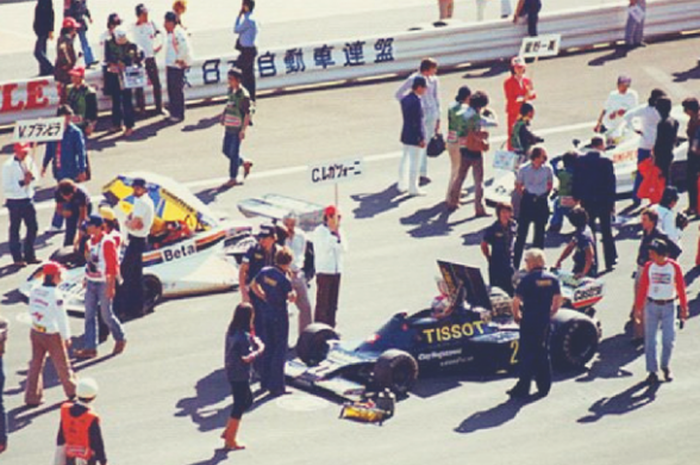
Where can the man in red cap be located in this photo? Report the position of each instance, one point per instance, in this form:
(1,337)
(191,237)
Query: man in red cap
(82,99)
(65,55)
(18,175)
(50,334)
(330,244)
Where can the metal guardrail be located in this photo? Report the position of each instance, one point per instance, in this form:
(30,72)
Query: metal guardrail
(366,57)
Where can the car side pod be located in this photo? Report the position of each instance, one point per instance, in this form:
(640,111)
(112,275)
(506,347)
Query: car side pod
(574,339)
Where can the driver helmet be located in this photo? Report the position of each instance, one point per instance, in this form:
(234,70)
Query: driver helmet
(441,306)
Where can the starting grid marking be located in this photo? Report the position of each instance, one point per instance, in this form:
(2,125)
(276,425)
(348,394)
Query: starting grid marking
(202,183)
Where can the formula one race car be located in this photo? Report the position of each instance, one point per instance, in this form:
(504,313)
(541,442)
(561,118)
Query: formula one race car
(479,336)
(191,251)
(580,294)
(624,157)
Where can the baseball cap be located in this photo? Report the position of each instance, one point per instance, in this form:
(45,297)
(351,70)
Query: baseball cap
(70,22)
(266,230)
(171,17)
(119,33)
(138,182)
(94,220)
(517,62)
(21,147)
(51,268)
(659,246)
(624,79)
(77,71)
(330,210)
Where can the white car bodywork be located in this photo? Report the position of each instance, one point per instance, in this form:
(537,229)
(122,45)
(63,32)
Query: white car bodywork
(199,264)
(623,156)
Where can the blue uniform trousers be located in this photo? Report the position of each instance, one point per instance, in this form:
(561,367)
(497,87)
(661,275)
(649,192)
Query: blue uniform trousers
(275,354)
(534,359)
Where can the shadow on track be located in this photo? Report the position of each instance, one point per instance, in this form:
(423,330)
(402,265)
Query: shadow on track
(614,353)
(373,204)
(209,391)
(692,73)
(433,221)
(627,401)
(616,54)
(220,455)
(493,417)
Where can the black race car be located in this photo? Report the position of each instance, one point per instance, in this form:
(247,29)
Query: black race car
(479,335)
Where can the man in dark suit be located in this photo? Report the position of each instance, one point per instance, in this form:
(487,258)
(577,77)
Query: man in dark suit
(594,188)
(412,137)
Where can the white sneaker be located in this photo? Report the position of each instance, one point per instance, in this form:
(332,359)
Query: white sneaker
(52,230)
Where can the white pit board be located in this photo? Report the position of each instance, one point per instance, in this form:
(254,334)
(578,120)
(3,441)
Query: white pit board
(336,171)
(541,46)
(39,130)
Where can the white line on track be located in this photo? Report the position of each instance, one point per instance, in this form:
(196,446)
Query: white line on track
(47,205)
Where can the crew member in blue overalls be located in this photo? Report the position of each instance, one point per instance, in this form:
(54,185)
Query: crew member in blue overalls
(256,258)
(273,286)
(500,236)
(539,295)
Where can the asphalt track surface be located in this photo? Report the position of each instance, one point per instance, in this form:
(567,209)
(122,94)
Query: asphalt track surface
(165,400)
(283,23)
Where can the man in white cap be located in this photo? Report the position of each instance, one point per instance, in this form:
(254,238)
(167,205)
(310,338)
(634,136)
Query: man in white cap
(50,334)
(79,435)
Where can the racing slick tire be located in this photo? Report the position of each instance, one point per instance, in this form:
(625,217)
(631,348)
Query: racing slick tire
(396,370)
(575,339)
(152,293)
(312,345)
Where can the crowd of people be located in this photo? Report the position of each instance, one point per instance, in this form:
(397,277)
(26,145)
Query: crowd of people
(585,194)
(278,269)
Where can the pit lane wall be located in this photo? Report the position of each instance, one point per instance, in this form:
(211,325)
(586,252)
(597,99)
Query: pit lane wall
(358,58)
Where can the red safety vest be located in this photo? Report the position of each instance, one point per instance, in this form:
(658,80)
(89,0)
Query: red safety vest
(76,432)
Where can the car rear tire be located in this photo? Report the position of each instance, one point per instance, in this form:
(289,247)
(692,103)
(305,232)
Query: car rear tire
(152,293)
(312,345)
(574,340)
(396,370)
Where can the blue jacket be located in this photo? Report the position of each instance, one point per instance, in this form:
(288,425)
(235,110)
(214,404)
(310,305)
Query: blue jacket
(412,132)
(73,157)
